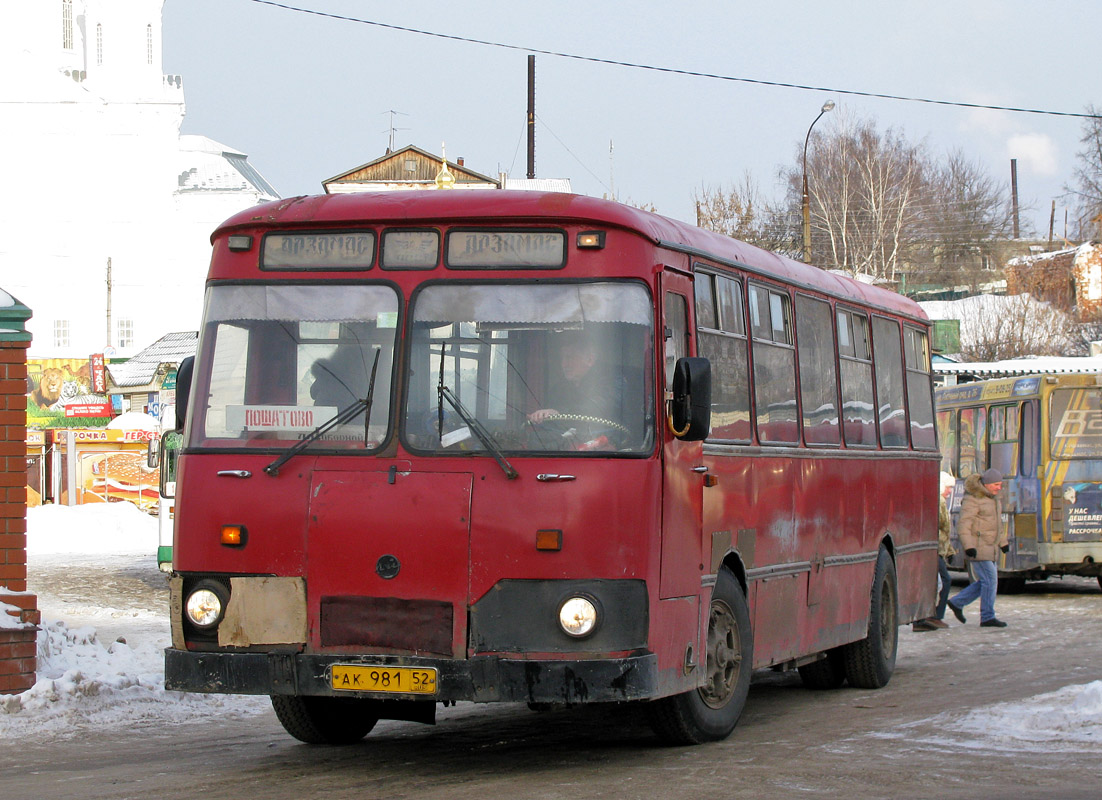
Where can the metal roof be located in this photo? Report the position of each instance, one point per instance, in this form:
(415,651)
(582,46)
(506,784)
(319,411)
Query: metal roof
(1021,366)
(172,348)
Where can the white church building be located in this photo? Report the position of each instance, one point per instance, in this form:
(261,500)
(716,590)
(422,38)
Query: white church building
(106,208)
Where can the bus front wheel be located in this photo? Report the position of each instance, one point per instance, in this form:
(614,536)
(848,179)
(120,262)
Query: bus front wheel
(324,720)
(871,661)
(709,714)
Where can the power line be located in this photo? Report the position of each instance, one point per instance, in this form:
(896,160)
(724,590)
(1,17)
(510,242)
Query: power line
(675,71)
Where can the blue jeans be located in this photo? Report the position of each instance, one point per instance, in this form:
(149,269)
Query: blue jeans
(943,594)
(984,587)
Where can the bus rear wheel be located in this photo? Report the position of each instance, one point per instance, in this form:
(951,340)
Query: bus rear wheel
(709,714)
(324,720)
(871,661)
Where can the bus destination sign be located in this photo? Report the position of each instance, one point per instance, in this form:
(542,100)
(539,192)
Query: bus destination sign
(345,250)
(506,249)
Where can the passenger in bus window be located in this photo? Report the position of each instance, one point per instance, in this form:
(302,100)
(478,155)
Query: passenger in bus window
(945,551)
(982,536)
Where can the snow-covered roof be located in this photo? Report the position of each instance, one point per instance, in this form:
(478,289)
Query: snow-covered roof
(539,184)
(209,166)
(172,348)
(1034,365)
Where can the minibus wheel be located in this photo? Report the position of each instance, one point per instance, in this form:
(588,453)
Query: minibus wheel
(324,720)
(871,661)
(709,713)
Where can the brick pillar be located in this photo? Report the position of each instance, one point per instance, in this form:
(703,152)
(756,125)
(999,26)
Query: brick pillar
(18,631)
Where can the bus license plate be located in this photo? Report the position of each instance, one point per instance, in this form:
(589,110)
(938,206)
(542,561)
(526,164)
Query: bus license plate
(369,678)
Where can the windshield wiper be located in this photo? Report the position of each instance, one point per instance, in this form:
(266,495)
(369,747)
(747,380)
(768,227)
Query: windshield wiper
(345,415)
(484,436)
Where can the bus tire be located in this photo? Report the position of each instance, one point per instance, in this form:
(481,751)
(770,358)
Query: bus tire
(709,714)
(324,720)
(871,661)
(826,673)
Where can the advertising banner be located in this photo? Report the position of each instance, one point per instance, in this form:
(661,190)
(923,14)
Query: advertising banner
(61,393)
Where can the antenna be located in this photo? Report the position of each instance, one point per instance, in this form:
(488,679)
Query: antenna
(392,129)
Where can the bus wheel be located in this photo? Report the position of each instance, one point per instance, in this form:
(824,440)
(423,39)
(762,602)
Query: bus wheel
(709,713)
(826,673)
(871,661)
(324,720)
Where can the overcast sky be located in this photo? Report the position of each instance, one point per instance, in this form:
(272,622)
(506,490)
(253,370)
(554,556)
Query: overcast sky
(307,96)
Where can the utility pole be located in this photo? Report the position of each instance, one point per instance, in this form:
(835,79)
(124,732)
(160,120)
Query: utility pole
(531,117)
(1014,192)
(1051,223)
(108,301)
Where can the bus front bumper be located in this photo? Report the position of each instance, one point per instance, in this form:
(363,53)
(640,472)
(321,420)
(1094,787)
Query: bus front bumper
(481,679)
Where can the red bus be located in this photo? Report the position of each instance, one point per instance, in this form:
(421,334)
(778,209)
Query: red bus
(541,448)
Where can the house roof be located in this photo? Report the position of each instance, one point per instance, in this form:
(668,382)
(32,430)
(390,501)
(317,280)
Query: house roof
(208,166)
(461,173)
(141,370)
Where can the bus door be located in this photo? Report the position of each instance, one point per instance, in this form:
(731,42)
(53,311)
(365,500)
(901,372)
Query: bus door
(382,550)
(683,557)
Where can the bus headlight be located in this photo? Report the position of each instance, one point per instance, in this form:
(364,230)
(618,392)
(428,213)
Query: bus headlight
(579,616)
(205,605)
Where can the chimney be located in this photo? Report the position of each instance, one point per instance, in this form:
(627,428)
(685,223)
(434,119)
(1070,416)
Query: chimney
(459,161)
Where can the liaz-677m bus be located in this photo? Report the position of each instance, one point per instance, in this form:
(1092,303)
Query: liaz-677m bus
(540,448)
(1044,433)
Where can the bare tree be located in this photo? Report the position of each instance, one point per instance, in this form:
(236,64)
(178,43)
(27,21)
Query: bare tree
(742,213)
(993,328)
(963,217)
(1087,187)
(864,187)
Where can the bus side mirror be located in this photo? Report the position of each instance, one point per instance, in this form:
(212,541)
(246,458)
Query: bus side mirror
(183,389)
(153,453)
(690,412)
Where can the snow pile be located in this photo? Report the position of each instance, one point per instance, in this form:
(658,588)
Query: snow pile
(1069,715)
(86,681)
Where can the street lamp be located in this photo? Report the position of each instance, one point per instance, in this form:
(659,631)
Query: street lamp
(827,106)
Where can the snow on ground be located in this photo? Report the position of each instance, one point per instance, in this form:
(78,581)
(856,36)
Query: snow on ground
(101,659)
(101,664)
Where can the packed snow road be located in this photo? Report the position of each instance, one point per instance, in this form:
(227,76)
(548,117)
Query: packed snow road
(970,712)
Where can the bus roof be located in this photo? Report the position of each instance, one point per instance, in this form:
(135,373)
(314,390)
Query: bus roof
(487,206)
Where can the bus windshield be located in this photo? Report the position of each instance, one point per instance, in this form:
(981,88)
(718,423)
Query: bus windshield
(523,368)
(286,360)
(1075,421)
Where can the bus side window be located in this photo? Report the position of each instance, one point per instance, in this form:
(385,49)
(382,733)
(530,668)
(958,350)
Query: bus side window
(1028,438)
(818,373)
(774,366)
(721,338)
(677,323)
(888,358)
(973,441)
(947,439)
(1003,439)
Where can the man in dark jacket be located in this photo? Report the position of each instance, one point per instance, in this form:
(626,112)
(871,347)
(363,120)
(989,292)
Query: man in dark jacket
(982,536)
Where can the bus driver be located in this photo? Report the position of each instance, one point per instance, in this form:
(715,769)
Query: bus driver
(584,394)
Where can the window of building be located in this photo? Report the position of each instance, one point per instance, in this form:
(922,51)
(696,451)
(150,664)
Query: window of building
(889,382)
(61,333)
(721,338)
(855,365)
(774,366)
(818,372)
(125,333)
(67,24)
